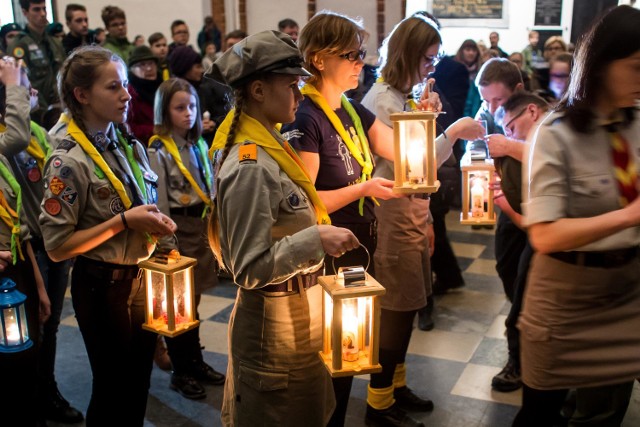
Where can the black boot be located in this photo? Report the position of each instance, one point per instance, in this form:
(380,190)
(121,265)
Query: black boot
(509,378)
(56,408)
(390,417)
(409,401)
(187,386)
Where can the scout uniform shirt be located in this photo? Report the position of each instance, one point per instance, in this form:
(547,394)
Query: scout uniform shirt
(78,195)
(43,56)
(11,198)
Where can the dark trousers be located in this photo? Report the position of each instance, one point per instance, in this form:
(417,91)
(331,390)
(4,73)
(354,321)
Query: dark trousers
(110,314)
(56,278)
(395,334)
(18,371)
(513,334)
(184,349)
(603,406)
(444,263)
(366,234)
(509,244)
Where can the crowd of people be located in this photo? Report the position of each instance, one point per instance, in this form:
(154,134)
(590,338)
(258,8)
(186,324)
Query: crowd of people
(269,157)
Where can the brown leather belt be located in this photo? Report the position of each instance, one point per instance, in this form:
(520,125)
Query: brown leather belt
(194,210)
(292,285)
(600,259)
(106,270)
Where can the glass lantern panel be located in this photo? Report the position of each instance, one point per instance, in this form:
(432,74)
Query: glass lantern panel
(2,335)
(351,329)
(478,192)
(159,293)
(182,295)
(413,148)
(23,324)
(11,326)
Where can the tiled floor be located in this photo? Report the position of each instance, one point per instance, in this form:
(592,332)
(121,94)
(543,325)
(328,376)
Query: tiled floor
(453,364)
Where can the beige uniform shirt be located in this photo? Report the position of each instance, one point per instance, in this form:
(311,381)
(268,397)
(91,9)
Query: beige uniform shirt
(79,196)
(11,197)
(268,224)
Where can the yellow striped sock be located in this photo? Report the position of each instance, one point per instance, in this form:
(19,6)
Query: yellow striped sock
(380,398)
(400,376)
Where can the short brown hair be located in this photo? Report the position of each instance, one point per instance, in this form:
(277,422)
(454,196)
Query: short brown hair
(110,13)
(73,7)
(155,37)
(162,119)
(401,52)
(328,33)
(499,70)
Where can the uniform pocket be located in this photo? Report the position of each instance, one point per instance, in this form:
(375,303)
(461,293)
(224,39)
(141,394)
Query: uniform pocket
(587,190)
(262,396)
(261,379)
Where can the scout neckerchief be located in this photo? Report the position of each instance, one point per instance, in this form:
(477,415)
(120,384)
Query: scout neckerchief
(9,216)
(249,129)
(172,148)
(133,164)
(360,149)
(99,161)
(624,167)
(38,147)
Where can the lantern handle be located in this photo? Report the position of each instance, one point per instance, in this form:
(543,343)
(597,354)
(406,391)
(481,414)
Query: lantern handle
(333,260)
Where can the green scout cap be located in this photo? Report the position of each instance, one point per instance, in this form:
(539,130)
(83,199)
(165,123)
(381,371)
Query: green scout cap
(141,53)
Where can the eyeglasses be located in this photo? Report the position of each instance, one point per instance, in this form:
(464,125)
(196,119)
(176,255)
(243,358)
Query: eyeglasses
(354,55)
(181,32)
(559,76)
(505,126)
(432,60)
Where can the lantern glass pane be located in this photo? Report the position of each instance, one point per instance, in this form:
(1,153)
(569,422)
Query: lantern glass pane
(11,326)
(23,324)
(478,192)
(413,146)
(2,335)
(182,295)
(351,329)
(159,293)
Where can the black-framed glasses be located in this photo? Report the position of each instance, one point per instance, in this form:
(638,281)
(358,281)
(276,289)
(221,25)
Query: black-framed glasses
(505,126)
(354,55)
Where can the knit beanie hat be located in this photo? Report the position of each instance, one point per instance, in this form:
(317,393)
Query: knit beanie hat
(181,59)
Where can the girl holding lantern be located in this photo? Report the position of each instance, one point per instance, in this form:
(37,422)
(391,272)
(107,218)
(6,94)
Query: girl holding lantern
(98,207)
(336,138)
(270,229)
(405,240)
(17,259)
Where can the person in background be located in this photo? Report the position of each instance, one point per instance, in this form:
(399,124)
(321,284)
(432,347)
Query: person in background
(78,24)
(494,39)
(178,154)
(518,59)
(469,55)
(138,40)
(158,45)
(17,258)
(553,46)
(179,34)
(209,33)
(144,80)
(42,54)
(559,74)
(405,235)
(8,32)
(116,40)
(271,230)
(56,30)
(532,55)
(580,320)
(210,55)
(289,27)
(99,208)
(232,38)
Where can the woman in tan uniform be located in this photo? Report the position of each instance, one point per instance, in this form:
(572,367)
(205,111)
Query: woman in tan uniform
(580,322)
(98,207)
(265,231)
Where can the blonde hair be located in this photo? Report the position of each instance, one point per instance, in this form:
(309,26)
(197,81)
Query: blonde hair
(402,51)
(328,33)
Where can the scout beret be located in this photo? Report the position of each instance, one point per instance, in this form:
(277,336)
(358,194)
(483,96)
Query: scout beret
(141,53)
(266,51)
(7,28)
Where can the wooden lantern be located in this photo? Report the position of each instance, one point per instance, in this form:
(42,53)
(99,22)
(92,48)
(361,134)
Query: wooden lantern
(351,322)
(170,298)
(415,166)
(477,195)
(14,333)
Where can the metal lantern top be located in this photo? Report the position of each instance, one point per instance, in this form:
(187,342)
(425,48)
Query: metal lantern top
(9,295)
(167,265)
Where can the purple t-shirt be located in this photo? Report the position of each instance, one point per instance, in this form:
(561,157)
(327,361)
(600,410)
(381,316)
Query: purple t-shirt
(313,132)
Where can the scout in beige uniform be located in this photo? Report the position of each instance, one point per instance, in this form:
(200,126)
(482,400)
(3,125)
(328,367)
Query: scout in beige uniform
(269,241)
(98,207)
(178,154)
(580,323)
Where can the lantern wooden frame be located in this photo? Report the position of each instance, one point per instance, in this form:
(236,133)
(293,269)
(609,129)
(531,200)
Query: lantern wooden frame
(470,169)
(426,182)
(170,326)
(334,295)
(14,331)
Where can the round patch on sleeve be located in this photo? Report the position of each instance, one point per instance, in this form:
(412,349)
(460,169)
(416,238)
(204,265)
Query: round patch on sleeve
(52,206)
(18,52)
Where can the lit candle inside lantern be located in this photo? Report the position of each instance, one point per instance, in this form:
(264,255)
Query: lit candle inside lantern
(415,160)
(477,198)
(13,332)
(349,333)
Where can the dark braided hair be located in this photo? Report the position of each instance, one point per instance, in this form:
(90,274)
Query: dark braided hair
(214,220)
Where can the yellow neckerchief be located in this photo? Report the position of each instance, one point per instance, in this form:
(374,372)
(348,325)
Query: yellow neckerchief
(38,147)
(358,149)
(411,103)
(165,74)
(89,149)
(249,129)
(7,214)
(64,118)
(172,148)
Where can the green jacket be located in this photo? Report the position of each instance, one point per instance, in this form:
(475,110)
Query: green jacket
(121,47)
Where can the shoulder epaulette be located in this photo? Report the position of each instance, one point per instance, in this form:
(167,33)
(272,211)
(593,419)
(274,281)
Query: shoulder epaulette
(248,152)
